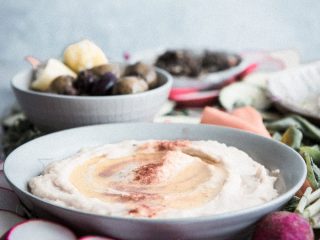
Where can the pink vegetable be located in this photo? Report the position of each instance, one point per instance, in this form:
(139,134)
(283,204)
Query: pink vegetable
(37,229)
(283,226)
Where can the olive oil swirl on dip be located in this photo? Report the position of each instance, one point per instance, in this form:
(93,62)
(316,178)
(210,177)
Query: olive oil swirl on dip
(156,179)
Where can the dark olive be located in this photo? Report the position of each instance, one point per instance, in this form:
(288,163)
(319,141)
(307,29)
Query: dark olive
(63,85)
(234,60)
(180,63)
(130,85)
(85,81)
(214,61)
(144,71)
(104,85)
(102,69)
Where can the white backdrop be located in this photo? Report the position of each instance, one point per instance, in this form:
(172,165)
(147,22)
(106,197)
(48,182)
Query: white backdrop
(42,28)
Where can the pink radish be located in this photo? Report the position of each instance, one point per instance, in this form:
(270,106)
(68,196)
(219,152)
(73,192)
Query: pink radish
(40,230)
(94,238)
(9,201)
(283,225)
(8,220)
(3,181)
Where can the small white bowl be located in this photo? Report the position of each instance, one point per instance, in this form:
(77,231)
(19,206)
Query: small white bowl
(51,112)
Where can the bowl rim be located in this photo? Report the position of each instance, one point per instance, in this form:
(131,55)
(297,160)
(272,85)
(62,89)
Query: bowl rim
(14,85)
(213,217)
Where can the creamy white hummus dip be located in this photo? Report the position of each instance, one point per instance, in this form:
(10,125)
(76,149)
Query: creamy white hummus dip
(156,179)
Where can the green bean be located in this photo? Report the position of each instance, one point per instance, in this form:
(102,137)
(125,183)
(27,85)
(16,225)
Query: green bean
(308,128)
(292,137)
(283,124)
(310,172)
(313,151)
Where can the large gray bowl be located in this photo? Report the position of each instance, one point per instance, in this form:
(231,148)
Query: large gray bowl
(51,112)
(30,159)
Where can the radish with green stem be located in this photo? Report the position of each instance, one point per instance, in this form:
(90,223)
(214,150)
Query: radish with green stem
(283,225)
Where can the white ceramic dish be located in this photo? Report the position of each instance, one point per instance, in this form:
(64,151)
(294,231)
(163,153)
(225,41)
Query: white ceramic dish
(212,80)
(30,159)
(51,112)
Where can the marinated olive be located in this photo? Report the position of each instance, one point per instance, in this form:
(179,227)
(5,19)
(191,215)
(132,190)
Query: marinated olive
(130,85)
(144,71)
(104,85)
(216,61)
(102,69)
(85,81)
(180,63)
(63,85)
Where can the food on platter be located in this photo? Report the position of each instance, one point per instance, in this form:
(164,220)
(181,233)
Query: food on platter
(201,69)
(157,179)
(86,71)
(187,63)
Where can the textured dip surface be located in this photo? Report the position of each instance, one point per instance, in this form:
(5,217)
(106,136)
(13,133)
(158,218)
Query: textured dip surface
(156,179)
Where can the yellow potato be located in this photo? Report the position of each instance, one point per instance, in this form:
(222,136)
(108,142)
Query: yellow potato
(46,73)
(84,55)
